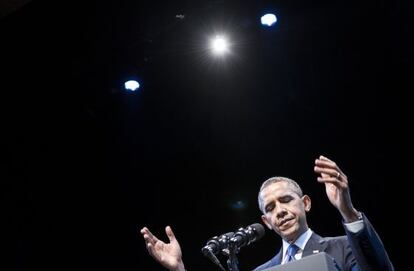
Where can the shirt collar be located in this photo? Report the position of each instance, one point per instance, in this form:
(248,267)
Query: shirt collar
(300,242)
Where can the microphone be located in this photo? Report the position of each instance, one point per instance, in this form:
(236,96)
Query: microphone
(213,258)
(246,236)
(217,243)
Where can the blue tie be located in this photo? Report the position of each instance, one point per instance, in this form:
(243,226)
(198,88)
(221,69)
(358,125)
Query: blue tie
(291,252)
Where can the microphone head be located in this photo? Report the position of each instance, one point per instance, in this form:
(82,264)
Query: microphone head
(247,235)
(217,243)
(259,230)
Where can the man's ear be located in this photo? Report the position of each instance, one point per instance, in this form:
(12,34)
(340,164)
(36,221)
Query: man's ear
(267,223)
(307,202)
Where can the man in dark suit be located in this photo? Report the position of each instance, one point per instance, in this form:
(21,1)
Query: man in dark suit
(284,208)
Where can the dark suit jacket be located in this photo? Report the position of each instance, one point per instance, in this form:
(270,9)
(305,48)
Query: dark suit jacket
(361,251)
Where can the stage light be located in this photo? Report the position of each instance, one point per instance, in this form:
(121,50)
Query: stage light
(131,85)
(219,45)
(268,19)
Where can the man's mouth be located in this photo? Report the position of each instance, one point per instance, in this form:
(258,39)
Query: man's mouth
(284,221)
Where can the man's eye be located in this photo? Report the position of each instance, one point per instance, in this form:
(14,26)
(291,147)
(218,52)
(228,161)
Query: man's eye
(269,208)
(286,199)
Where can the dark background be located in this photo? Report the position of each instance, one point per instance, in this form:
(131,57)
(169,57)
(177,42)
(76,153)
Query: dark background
(86,164)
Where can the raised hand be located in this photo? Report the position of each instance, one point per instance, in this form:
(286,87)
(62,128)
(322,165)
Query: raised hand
(167,254)
(336,186)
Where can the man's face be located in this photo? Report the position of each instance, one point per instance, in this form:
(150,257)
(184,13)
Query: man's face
(284,210)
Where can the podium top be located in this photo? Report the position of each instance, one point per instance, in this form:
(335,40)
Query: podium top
(316,262)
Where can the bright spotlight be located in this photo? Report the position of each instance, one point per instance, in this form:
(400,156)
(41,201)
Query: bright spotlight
(268,19)
(219,45)
(131,85)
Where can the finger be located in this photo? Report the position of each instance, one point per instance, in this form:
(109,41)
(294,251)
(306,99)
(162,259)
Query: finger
(151,239)
(333,181)
(325,163)
(150,249)
(147,232)
(328,171)
(148,240)
(143,230)
(321,157)
(170,233)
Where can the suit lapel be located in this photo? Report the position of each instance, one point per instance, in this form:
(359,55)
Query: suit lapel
(276,260)
(314,245)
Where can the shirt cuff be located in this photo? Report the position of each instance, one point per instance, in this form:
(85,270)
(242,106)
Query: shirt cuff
(355,226)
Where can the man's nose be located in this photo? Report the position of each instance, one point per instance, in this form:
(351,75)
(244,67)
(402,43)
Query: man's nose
(280,211)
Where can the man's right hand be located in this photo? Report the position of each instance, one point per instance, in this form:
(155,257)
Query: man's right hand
(167,254)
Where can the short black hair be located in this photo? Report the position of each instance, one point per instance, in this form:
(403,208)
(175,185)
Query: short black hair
(292,183)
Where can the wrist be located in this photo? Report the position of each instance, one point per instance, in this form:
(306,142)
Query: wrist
(351,216)
(180,267)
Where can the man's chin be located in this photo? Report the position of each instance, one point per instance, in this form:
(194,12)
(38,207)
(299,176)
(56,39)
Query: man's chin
(289,226)
(289,234)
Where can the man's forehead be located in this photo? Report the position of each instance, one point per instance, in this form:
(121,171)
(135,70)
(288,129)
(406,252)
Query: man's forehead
(278,188)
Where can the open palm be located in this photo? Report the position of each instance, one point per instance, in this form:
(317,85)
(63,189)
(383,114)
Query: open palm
(167,254)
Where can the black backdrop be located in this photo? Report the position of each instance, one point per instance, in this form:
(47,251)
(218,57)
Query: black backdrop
(87,165)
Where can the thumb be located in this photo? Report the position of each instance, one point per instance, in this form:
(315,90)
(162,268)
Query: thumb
(170,233)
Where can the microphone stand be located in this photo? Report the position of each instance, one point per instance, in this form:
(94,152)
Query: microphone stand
(232,261)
